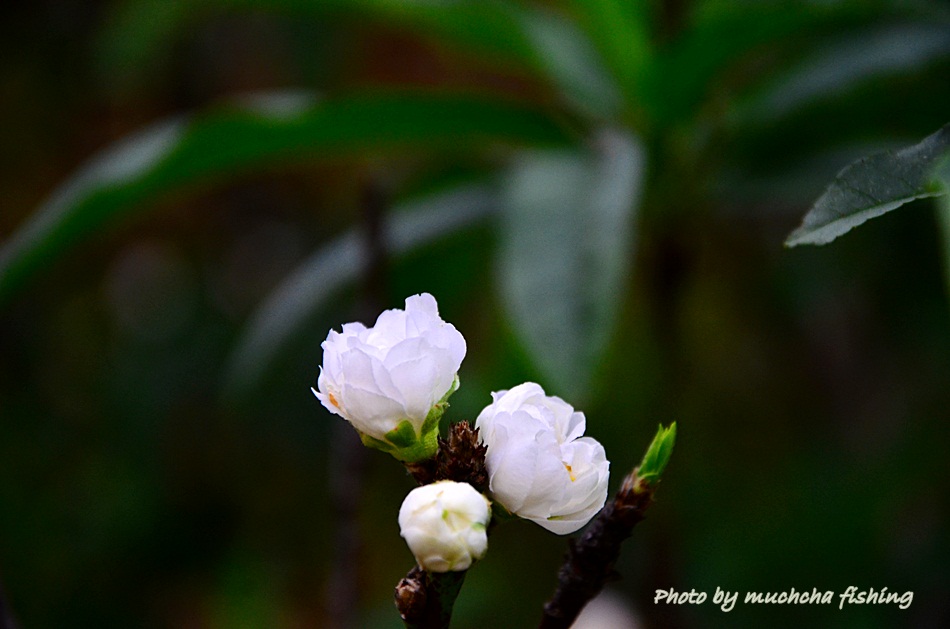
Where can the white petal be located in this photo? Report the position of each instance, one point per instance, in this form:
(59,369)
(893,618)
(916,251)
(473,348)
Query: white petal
(444,525)
(561,526)
(357,368)
(416,381)
(422,303)
(539,466)
(370,412)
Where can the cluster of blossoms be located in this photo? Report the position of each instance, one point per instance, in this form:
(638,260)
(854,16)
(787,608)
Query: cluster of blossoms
(392,383)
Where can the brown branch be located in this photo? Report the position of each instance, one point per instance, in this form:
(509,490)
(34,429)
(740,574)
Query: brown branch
(590,559)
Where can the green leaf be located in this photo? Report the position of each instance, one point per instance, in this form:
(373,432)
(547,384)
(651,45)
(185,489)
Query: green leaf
(657,455)
(565,242)
(264,130)
(285,313)
(871,187)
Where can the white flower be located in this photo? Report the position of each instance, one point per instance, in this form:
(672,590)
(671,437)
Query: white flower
(391,381)
(539,466)
(444,525)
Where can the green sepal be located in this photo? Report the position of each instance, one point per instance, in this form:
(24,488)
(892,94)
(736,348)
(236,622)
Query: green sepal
(658,455)
(402,441)
(403,436)
(373,442)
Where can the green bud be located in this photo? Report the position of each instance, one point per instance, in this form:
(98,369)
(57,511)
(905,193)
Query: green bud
(658,455)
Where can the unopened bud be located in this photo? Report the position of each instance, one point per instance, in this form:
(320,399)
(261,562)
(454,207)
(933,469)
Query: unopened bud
(444,525)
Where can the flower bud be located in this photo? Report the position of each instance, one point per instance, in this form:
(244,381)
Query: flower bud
(444,525)
(539,466)
(392,381)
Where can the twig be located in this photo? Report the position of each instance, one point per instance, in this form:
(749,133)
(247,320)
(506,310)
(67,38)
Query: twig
(591,558)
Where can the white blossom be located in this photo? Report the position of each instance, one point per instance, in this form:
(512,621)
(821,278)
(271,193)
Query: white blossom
(391,381)
(539,465)
(444,525)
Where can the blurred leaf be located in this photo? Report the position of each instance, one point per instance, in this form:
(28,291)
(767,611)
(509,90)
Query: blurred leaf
(564,245)
(143,31)
(943,216)
(535,40)
(265,129)
(850,60)
(304,292)
(871,187)
(135,39)
(483,25)
(567,57)
(719,34)
(620,30)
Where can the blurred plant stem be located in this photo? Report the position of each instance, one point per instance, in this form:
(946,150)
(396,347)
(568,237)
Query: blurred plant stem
(6,616)
(347,454)
(347,463)
(673,15)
